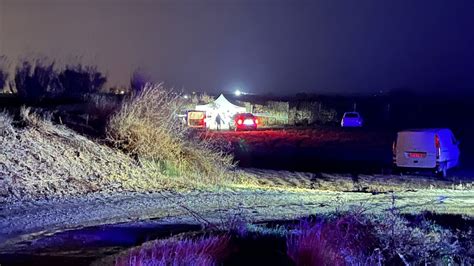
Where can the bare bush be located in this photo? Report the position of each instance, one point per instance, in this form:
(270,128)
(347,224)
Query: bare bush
(79,80)
(356,238)
(178,251)
(346,240)
(147,126)
(35,81)
(420,243)
(33,119)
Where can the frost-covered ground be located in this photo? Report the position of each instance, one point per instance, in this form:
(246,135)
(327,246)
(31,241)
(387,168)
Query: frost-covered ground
(23,222)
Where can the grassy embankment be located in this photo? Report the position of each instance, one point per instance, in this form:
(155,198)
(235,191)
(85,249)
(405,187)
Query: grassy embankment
(145,149)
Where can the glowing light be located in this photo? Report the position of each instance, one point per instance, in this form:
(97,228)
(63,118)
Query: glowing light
(185,96)
(237,92)
(249,122)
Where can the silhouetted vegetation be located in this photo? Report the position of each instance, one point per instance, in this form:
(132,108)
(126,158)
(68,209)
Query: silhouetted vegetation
(202,251)
(34,81)
(79,80)
(39,79)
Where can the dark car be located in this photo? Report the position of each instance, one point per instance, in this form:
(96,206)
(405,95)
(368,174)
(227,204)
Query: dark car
(245,121)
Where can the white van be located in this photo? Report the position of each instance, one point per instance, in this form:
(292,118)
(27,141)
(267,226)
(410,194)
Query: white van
(435,149)
(351,119)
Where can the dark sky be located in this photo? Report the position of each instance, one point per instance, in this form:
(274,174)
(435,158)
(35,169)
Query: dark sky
(279,46)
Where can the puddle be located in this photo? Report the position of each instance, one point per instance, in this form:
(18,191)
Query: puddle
(82,246)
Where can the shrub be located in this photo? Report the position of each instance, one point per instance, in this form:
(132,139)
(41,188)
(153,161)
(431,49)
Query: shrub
(346,240)
(178,251)
(34,81)
(421,243)
(147,127)
(355,238)
(34,120)
(78,80)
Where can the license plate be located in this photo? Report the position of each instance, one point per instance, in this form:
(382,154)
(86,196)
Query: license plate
(417,155)
(248,122)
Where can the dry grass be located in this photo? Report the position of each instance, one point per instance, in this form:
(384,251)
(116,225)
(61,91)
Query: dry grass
(416,243)
(147,127)
(42,160)
(357,183)
(356,238)
(34,120)
(6,127)
(39,159)
(177,251)
(345,241)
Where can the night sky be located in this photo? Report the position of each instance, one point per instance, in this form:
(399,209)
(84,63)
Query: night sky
(262,46)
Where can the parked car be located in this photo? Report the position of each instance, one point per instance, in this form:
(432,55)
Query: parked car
(245,121)
(196,119)
(435,149)
(352,119)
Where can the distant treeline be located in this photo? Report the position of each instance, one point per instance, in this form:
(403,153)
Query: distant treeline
(37,80)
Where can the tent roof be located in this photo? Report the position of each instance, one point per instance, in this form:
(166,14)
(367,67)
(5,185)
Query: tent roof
(221,101)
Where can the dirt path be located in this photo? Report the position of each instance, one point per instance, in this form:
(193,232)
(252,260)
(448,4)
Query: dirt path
(21,223)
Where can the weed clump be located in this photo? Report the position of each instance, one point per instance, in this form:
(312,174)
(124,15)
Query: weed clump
(5,124)
(178,251)
(422,242)
(356,238)
(347,239)
(147,127)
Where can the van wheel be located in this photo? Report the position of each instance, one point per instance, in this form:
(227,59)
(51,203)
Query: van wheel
(395,170)
(442,170)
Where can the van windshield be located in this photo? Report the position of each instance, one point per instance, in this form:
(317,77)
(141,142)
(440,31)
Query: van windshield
(351,115)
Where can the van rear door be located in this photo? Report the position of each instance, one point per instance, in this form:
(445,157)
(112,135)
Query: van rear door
(416,149)
(196,119)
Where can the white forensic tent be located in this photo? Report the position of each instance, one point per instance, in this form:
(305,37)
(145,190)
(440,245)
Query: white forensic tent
(222,107)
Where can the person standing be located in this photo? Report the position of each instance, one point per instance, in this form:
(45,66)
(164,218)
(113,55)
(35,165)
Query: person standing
(218,121)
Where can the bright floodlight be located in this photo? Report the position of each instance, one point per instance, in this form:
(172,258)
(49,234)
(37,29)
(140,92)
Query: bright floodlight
(237,92)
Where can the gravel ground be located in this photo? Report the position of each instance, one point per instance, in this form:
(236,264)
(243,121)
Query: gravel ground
(23,222)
